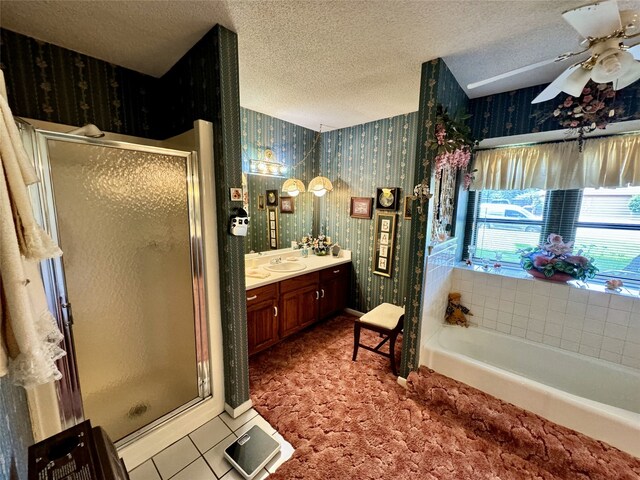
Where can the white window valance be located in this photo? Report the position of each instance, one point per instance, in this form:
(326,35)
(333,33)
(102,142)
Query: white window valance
(609,162)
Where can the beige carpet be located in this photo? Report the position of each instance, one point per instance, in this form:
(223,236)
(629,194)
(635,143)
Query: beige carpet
(351,420)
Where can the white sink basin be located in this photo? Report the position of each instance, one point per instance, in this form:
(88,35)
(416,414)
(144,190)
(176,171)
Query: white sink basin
(285,267)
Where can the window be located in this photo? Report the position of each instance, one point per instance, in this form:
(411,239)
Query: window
(604,223)
(608,229)
(507,221)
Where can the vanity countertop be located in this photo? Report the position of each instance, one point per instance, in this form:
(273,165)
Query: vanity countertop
(313,263)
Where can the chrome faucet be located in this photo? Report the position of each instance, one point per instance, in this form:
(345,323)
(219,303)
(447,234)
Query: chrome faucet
(275,260)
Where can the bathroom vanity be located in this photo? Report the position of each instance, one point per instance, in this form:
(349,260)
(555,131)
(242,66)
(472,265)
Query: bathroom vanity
(287,301)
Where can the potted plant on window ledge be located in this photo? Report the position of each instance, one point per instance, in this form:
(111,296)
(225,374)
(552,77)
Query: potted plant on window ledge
(553,260)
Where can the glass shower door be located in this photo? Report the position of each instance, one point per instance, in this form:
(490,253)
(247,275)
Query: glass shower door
(127,219)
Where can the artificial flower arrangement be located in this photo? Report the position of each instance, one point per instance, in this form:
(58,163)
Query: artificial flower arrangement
(320,246)
(453,145)
(594,109)
(554,260)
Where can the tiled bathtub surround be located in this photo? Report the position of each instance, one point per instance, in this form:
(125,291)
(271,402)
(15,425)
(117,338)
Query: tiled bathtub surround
(437,285)
(596,324)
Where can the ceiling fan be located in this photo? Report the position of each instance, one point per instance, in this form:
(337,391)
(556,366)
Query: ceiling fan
(604,30)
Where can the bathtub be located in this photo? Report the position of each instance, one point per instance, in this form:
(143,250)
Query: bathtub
(594,397)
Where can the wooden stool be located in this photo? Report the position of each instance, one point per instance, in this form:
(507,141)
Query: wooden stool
(386,319)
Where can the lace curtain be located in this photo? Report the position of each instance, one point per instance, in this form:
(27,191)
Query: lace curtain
(604,162)
(29,336)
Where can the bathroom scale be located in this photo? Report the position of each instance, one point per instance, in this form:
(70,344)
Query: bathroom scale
(252,451)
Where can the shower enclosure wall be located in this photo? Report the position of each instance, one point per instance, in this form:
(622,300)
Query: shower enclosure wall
(128,291)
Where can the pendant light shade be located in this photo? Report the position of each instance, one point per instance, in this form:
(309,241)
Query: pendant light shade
(293,187)
(320,185)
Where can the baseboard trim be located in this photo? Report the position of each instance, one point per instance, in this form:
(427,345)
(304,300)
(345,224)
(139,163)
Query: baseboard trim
(355,313)
(239,410)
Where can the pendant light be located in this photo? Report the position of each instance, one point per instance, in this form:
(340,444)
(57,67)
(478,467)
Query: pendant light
(320,185)
(293,187)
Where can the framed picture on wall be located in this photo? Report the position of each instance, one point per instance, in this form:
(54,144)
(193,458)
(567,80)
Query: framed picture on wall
(235,194)
(272,198)
(260,202)
(387,198)
(385,234)
(272,227)
(408,201)
(286,204)
(361,207)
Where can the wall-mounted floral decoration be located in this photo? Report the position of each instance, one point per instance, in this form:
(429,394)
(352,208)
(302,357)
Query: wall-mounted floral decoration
(453,145)
(595,108)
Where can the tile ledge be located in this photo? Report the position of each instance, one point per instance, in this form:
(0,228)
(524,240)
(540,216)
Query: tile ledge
(438,247)
(520,274)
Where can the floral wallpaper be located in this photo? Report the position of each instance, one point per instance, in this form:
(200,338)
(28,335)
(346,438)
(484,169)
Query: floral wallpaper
(15,431)
(289,144)
(358,160)
(51,83)
(512,113)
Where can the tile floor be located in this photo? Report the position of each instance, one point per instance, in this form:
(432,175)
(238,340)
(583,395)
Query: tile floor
(199,455)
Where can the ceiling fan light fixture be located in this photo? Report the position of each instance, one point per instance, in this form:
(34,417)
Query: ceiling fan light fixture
(612,65)
(293,187)
(320,185)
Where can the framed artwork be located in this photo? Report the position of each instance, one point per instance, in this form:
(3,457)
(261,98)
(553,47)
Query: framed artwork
(385,234)
(408,201)
(387,198)
(260,202)
(361,207)
(235,194)
(286,204)
(272,198)
(272,227)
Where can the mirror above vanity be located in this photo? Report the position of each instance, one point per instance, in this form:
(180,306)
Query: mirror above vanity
(277,219)
(274,151)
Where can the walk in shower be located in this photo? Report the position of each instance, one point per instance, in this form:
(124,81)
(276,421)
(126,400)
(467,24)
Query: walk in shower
(128,290)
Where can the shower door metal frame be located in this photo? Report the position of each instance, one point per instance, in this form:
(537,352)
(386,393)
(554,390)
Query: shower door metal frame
(68,388)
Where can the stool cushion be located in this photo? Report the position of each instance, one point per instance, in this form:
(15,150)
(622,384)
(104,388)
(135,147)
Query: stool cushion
(385,315)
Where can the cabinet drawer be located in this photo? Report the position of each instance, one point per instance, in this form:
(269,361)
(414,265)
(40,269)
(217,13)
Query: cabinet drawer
(333,272)
(260,294)
(299,282)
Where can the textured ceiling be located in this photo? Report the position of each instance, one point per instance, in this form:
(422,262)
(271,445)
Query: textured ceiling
(336,63)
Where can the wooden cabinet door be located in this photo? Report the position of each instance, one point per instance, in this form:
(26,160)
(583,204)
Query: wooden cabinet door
(262,325)
(335,284)
(298,308)
(262,321)
(308,303)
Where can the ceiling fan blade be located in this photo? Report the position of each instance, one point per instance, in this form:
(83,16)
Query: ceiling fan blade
(632,75)
(533,66)
(572,80)
(596,20)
